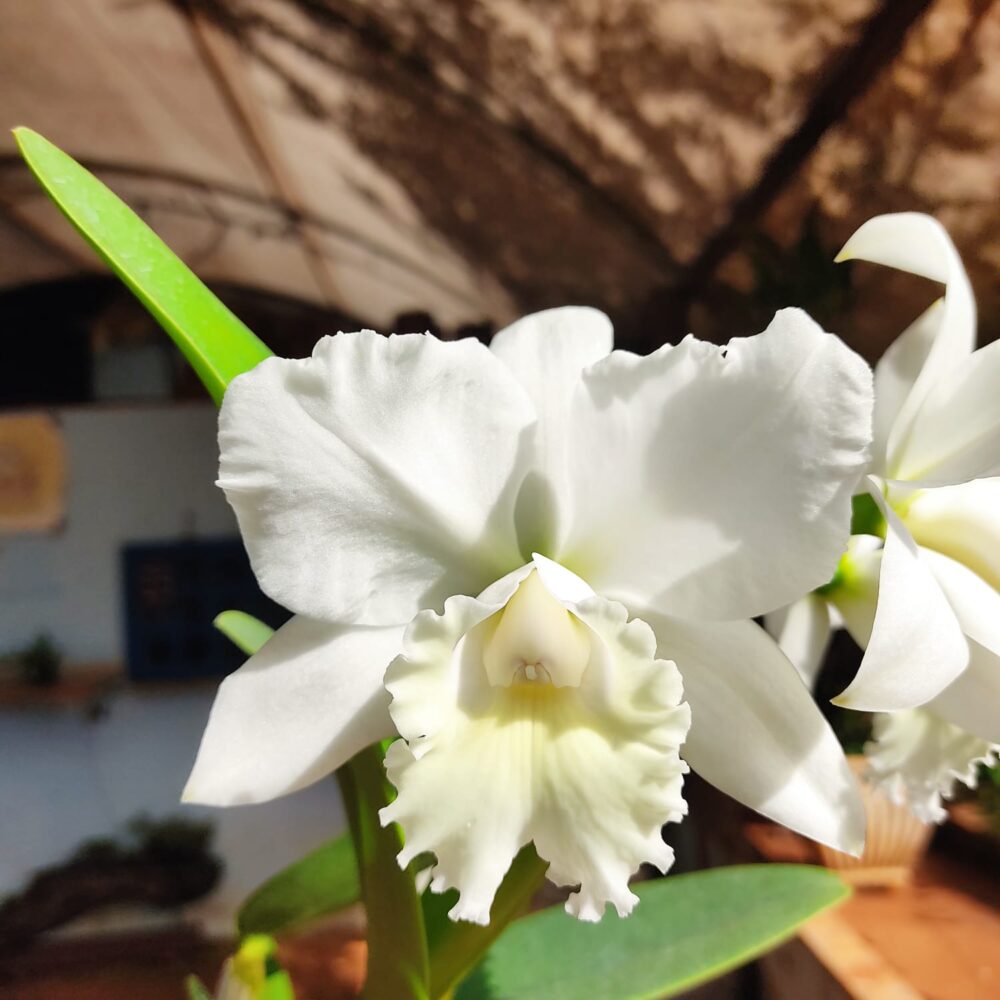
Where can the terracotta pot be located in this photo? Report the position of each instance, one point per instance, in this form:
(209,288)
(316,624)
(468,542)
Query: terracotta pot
(895,840)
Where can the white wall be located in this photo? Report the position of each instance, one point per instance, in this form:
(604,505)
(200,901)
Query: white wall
(65,778)
(137,473)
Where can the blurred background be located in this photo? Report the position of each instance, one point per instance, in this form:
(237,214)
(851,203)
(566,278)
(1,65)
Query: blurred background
(444,166)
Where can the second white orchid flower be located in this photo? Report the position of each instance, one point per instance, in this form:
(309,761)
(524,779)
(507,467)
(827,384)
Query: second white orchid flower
(520,559)
(925,602)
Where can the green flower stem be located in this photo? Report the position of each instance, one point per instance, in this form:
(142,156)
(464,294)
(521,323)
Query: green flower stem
(397,946)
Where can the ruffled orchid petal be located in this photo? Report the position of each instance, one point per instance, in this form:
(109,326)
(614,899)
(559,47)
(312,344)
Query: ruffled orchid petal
(920,441)
(916,647)
(545,720)
(377,477)
(962,522)
(918,759)
(733,469)
(294,712)
(756,733)
(802,631)
(547,352)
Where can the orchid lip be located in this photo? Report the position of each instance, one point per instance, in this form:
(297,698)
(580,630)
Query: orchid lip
(559,725)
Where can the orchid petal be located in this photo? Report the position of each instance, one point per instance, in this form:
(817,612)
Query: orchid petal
(756,733)
(955,435)
(918,758)
(895,375)
(294,712)
(962,522)
(376,477)
(920,245)
(971,701)
(802,631)
(732,470)
(547,352)
(915,648)
(975,603)
(583,763)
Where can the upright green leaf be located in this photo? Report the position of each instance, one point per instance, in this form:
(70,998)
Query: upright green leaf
(686,929)
(219,347)
(397,946)
(216,344)
(324,881)
(243,630)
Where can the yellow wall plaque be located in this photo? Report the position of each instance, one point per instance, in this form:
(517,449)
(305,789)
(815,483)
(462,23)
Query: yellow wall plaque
(32,473)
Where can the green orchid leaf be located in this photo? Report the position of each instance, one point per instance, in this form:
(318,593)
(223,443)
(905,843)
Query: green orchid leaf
(216,344)
(243,630)
(324,881)
(686,930)
(397,945)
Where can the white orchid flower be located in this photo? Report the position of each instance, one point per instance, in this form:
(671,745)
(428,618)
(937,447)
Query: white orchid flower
(937,448)
(529,537)
(925,603)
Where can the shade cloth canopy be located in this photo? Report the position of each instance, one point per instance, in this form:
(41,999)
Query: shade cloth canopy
(473,160)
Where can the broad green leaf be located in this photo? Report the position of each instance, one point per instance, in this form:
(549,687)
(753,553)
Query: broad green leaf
(686,929)
(456,946)
(195,989)
(397,947)
(243,630)
(216,344)
(324,881)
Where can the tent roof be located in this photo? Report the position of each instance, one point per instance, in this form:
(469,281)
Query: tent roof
(471,159)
